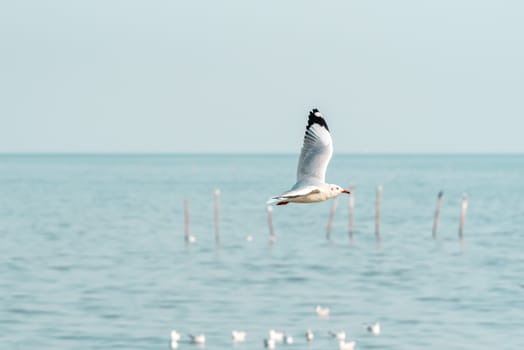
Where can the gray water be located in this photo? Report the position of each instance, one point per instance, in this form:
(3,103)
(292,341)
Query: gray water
(93,256)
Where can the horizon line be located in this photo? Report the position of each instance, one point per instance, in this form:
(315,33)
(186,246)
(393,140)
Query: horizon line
(256,153)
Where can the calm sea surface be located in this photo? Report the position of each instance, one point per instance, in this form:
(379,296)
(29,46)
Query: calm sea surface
(92,253)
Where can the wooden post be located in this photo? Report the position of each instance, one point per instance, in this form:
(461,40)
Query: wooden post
(331,217)
(377,212)
(351,209)
(463,215)
(186,219)
(217,215)
(272,236)
(437,213)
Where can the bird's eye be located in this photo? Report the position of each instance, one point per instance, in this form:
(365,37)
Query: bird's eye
(331,188)
(338,188)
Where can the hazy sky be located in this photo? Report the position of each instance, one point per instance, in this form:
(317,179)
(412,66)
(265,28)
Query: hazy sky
(240,76)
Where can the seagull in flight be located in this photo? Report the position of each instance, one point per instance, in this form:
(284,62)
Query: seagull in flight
(312,164)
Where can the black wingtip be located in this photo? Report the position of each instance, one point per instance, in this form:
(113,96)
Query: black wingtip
(315,117)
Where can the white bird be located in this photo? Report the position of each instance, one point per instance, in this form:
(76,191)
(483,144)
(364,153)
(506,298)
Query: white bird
(198,339)
(316,153)
(174,344)
(276,335)
(342,345)
(322,311)
(269,343)
(340,335)
(190,239)
(374,328)
(249,238)
(175,335)
(309,335)
(288,339)
(238,336)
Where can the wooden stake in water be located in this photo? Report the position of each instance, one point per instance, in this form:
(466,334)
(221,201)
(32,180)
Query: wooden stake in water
(272,236)
(463,215)
(186,219)
(377,212)
(331,217)
(437,213)
(351,209)
(217,215)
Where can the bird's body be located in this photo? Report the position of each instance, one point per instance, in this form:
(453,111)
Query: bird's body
(309,335)
(277,336)
(175,335)
(174,344)
(269,343)
(342,345)
(307,194)
(322,311)
(238,336)
(316,153)
(198,339)
(374,328)
(288,339)
(340,336)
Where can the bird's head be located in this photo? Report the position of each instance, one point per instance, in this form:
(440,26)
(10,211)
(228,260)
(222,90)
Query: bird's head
(336,190)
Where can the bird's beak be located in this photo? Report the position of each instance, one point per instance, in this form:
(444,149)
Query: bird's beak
(346,191)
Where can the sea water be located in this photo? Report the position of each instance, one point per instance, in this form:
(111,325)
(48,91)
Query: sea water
(92,252)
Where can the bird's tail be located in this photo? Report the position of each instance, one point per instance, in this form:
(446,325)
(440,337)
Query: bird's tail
(273,200)
(278,201)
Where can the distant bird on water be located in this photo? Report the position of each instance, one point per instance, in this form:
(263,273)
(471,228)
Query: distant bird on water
(277,336)
(238,336)
(340,335)
(322,311)
(316,153)
(374,328)
(198,339)
(175,335)
(342,345)
(309,335)
(269,343)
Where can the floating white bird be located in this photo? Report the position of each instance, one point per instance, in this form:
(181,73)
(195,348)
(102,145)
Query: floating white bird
(322,311)
(342,345)
(190,239)
(288,339)
(374,328)
(249,238)
(316,153)
(269,343)
(198,339)
(309,335)
(238,336)
(174,344)
(340,335)
(175,335)
(276,335)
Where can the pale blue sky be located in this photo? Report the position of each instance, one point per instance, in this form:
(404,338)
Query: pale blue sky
(239,76)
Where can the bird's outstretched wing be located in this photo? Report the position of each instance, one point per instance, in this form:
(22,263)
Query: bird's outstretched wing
(316,150)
